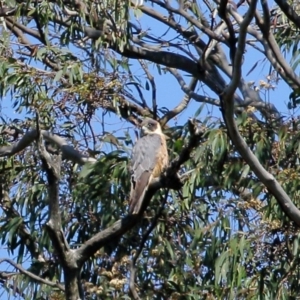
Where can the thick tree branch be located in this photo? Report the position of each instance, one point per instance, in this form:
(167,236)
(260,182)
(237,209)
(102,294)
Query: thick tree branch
(228,113)
(108,235)
(24,29)
(272,51)
(68,151)
(289,12)
(266,15)
(66,256)
(232,39)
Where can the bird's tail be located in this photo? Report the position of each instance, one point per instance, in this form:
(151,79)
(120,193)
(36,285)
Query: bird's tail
(137,194)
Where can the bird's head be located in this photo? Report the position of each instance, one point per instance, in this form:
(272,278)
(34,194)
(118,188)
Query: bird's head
(150,126)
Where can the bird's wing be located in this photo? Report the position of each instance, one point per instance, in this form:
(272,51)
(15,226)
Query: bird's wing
(144,159)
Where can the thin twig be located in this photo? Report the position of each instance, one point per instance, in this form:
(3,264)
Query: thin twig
(153,86)
(183,104)
(191,93)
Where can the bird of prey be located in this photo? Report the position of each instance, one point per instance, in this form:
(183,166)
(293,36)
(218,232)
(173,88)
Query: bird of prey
(149,158)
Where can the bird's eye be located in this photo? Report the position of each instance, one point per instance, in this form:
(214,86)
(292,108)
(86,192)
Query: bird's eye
(150,125)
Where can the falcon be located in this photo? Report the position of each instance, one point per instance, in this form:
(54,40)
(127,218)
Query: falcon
(149,158)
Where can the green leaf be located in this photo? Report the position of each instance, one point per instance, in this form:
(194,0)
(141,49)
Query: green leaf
(58,75)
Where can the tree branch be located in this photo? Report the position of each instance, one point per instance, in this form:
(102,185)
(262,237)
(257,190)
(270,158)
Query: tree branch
(67,257)
(68,151)
(190,92)
(185,101)
(269,38)
(32,275)
(228,114)
(153,85)
(272,51)
(169,180)
(189,18)
(289,12)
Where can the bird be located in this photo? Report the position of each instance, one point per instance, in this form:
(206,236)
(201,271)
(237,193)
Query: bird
(148,160)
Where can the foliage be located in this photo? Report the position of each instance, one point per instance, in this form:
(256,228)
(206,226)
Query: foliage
(73,69)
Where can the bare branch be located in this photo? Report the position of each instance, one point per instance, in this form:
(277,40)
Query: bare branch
(190,92)
(266,16)
(231,39)
(25,29)
(68,151)
(32,275)
(237,59)
(272,51)
(67,257)
(228,113)
(189,18)
(19,34)
(183,104)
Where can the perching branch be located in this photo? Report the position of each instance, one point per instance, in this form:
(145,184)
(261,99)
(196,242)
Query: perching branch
(169,180)
(228,114)
(108,235)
